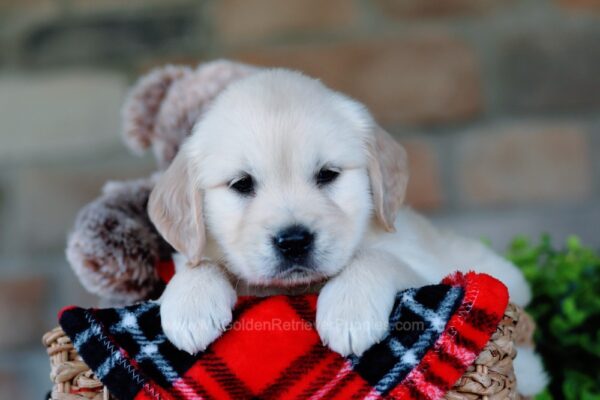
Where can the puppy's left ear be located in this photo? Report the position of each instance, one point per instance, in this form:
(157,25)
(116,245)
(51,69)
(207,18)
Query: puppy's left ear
(175,208)
(388,172)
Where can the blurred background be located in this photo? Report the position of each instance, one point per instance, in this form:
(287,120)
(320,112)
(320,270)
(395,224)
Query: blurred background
(497,103)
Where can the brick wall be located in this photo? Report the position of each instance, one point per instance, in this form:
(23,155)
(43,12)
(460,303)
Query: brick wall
(496,101)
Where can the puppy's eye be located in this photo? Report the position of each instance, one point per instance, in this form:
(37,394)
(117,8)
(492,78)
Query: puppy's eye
(326,176)
(243,185)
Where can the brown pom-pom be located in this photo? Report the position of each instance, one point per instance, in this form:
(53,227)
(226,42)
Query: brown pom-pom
(143,104)
(114,247)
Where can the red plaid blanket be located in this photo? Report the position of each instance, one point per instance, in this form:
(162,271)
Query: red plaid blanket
(273,351)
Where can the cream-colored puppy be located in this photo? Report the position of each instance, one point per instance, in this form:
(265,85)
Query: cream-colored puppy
(285,183)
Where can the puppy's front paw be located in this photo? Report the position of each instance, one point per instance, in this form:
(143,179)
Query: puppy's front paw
(196,307)
(351,321)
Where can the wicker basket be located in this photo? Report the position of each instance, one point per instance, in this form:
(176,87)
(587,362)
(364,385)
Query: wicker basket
(491,377)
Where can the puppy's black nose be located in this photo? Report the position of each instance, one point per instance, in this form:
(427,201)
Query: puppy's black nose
(294,242)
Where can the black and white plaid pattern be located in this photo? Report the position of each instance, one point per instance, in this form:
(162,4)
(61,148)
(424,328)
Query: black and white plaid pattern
(136,329)
(127,349)
(419,317)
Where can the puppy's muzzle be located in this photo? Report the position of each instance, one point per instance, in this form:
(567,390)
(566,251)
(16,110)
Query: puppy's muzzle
(294,243)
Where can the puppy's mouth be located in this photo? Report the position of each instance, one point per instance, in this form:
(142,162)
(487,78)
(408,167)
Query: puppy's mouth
(291,275)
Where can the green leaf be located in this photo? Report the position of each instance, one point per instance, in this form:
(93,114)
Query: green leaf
(566,307)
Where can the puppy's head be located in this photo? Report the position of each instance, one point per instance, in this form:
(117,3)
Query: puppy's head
(286,175)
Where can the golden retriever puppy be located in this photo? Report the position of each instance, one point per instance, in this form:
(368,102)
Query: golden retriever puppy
(286,185)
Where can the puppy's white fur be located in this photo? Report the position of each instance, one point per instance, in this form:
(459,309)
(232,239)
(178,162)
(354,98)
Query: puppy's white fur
(529,370)
(281,128)
(196,306)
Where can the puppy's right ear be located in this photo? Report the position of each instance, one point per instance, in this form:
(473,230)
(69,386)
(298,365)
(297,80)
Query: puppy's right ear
(175,208)
(388,172)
